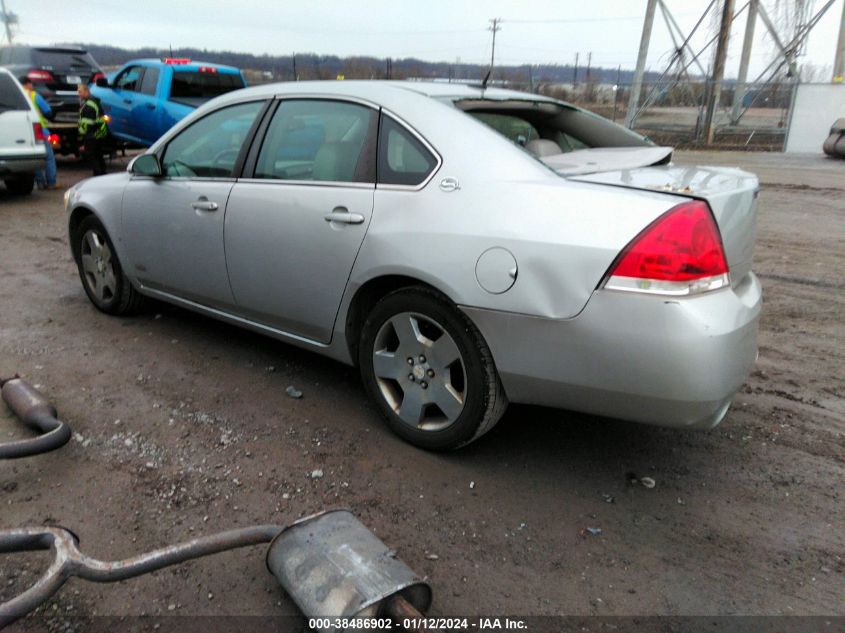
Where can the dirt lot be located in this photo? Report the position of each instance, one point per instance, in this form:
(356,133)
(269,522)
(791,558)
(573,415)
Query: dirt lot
(183,427)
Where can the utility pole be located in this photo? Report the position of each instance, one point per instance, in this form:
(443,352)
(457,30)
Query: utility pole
(293,60)
(575,72)
(616,90)
(839,58)
(739,89)
(718,69)
(589,64)
(388,68)
(495,27)
(636,86)
(8,20)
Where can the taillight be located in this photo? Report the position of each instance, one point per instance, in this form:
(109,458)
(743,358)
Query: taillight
(37,132)
(97,76)
(54,140)
(207,69)
(680,253)
(39,75)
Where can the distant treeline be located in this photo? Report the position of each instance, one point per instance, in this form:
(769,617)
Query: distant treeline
(312,66)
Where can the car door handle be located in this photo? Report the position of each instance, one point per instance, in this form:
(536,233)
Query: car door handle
(204,204)
(151,106)
(127,101)
(342,215)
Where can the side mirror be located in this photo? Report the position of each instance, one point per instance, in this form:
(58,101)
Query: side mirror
(146,165)
(102,82)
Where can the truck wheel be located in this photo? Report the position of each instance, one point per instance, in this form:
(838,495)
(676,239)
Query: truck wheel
(20,185)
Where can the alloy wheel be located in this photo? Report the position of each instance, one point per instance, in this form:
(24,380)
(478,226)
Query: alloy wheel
(98,266)
(419,371)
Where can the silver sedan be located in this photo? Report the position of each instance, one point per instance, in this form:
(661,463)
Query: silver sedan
(463,247)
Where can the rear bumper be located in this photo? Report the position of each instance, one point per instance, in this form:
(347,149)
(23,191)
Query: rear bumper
(657,360)
(21,165)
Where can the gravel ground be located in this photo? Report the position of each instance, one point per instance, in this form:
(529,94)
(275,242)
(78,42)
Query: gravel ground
(182,426)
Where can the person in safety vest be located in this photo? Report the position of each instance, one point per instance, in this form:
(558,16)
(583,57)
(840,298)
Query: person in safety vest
(44,179)
(92,129)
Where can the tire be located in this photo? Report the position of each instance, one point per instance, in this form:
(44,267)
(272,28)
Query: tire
(20,185)
(429,371)
(100,271)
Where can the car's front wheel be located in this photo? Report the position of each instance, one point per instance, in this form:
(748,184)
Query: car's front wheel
(429,370)
(102,276)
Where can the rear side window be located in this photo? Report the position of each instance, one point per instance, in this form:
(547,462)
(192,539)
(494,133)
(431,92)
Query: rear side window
(209,148)
(195,87)
(516,129)
(402,158)
(150,81)
(11,97)
(329,141)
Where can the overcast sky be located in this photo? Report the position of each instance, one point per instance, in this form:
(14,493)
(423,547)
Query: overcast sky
(533,31)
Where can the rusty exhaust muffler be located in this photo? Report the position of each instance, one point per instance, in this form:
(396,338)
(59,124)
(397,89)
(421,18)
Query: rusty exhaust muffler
(33,409)
(331,564)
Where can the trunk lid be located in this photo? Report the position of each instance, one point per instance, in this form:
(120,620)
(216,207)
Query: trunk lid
(731,194)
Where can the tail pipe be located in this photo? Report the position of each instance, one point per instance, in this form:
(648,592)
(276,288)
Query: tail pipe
(33,409)
(331,564)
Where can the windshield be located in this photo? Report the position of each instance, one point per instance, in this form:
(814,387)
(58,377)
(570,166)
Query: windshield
(52,59)
(195,87)
(11,97)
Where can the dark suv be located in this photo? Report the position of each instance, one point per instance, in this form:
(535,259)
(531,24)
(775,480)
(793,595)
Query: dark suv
(55,73)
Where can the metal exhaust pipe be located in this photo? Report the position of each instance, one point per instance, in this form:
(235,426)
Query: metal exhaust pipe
(330,564)
(33,409)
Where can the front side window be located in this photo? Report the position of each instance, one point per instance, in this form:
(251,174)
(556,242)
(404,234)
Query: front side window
(402,158)
(209,148)
(130,79)
(319,140)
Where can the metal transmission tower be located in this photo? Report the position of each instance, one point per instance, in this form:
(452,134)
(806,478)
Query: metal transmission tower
(839,59)
(789,48)
(718,69)
(636,86)
(9,20)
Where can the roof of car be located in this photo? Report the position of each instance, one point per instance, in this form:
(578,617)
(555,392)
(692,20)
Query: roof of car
(376,89)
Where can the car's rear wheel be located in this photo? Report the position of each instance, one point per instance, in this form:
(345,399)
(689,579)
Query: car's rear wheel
(102,276)
(429,370)
(20,185)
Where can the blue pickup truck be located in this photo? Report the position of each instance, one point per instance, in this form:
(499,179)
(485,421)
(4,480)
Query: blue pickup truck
(146,97)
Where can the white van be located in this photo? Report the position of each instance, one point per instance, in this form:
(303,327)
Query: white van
(22,151)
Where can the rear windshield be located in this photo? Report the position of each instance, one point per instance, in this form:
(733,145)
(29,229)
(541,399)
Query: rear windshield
(194,87)
(52,59)
(11,97)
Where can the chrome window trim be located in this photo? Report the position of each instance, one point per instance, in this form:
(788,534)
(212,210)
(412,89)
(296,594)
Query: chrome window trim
(308,183)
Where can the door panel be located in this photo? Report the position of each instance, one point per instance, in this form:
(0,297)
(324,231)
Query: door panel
(173,246)
(125,90)
(173,225)
(288,265)
(294,230)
